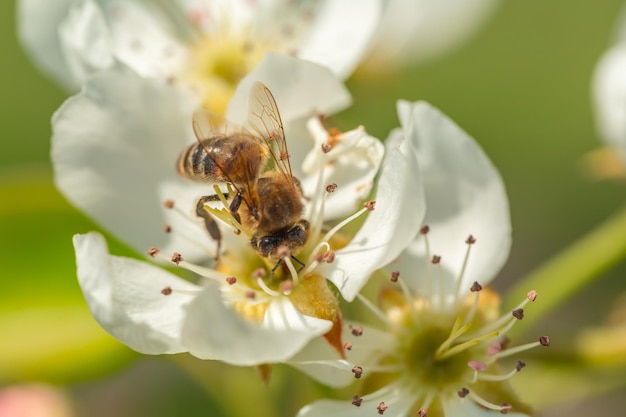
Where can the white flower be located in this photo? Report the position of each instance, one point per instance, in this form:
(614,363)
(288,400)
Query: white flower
(419,30)
(609,93)
(203,45)
(114,149)
(441,336)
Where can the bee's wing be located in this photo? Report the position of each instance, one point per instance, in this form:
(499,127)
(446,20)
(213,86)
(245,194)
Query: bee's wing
(264,121)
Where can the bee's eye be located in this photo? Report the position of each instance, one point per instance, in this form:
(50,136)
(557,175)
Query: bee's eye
(268,244)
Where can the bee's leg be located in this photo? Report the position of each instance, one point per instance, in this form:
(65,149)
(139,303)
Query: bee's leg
(234,206)
(279,263)
(209,222)
(302,265)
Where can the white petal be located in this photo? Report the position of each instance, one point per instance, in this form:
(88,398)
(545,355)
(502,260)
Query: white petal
(86,41)
(464,407)
(143,37)
(464,195)
(332,408)
(38,22)
(214,331)
(419,30)
(388,229)
(341,34)
(609,89)
(114,152)
(124,296)
(352,164)
(301,89)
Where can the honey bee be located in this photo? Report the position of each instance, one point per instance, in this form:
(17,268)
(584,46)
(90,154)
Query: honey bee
(253,158)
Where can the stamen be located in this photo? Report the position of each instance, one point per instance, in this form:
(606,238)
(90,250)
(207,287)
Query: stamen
(476,289)
(531,296)
(153,251)
(429,279)
(498,378)
(437,261)
(356,400)
(357,371)
(267,289)
(382,407)
(169,291)
(356,331)
(470,242)
(177,258)
(375,310)
(512,351)
(335,229)
(466,345)
(292,270)
(347,346)
(478,399)
(423,411)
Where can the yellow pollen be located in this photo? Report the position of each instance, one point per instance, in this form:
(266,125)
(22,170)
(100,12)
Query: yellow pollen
(217,63)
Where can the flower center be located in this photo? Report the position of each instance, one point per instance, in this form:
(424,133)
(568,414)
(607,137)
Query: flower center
(216,65)
(425,367)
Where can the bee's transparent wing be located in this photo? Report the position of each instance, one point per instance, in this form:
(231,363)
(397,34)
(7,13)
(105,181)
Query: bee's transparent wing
(264,121)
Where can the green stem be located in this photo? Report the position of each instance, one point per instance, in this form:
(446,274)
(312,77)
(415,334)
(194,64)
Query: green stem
(571,270)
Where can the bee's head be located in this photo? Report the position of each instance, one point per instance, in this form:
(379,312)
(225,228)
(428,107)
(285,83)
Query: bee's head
(293,239)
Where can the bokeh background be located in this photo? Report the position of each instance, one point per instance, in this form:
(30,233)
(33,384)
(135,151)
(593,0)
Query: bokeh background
(520,86)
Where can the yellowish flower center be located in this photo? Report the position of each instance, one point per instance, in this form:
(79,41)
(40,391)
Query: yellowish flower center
(216,65)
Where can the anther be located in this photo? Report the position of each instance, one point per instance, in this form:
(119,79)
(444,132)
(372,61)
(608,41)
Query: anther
(505,407)
(424,230)
(532,295)
(347,346)
(370,205)
(166,291)
(436,259)
(330,188)
(153,251)
(167,228)
(285,287)
(357,371)
(169,204)
(494,348)
(394,276)
(326,147)
(463,392)
(476,287)
(477,366)
(283,251)
(329,256)
(357,331)
(251,295)
(231,280)
(356,400)
(520,365)
(470,240)
(177,258)
(518,313)
(382,407)
(545,341)
(258,273)
(422,412)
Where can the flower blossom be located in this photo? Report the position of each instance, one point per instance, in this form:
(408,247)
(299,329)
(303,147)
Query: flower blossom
(205,46)
(441,342)
(609,95)
(115,147)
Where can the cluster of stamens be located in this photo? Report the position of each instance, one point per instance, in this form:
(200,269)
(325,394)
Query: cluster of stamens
(426,358)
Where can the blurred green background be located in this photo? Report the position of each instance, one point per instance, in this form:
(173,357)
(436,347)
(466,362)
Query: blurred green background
(521,87)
